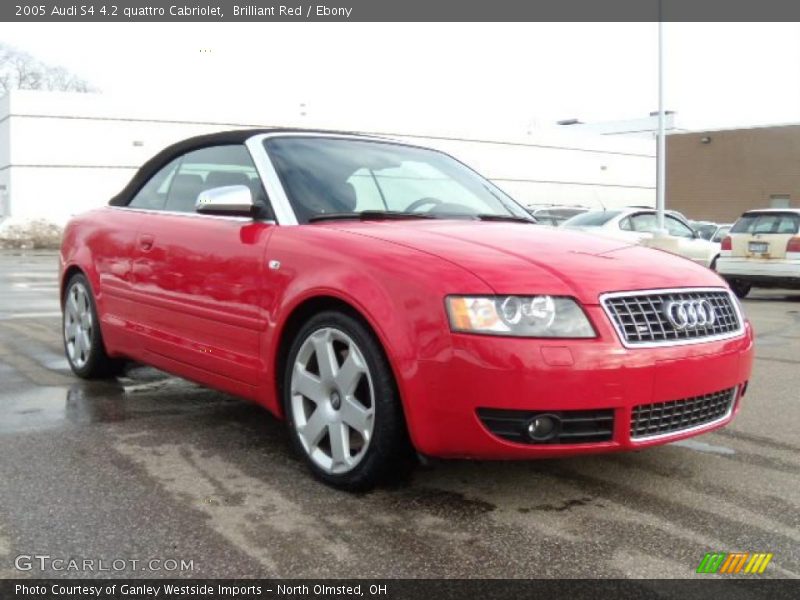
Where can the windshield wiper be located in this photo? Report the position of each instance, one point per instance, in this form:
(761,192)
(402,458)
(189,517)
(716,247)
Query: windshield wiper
(369,215)
(512,218)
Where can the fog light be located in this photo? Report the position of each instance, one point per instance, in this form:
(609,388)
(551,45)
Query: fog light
(543,427)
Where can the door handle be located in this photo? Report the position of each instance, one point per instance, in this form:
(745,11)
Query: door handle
(146,242)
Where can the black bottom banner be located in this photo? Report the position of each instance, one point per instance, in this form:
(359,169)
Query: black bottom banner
(423,589)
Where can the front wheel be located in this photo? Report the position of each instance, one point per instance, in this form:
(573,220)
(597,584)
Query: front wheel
(83,341)
(740,288)
(342,405)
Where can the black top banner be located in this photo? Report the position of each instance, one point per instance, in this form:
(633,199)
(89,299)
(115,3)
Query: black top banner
(400,10)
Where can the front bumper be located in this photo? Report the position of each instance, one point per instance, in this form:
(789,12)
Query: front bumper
(481,372)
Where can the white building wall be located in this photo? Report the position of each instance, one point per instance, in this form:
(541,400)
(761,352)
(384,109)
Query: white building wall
(5,159)
(72,152)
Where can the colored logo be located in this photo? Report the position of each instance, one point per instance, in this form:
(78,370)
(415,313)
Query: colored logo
(735,562)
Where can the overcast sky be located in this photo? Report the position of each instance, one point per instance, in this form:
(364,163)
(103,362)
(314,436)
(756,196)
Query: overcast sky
(519,76)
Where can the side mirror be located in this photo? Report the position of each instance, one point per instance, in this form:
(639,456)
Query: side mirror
(228,200)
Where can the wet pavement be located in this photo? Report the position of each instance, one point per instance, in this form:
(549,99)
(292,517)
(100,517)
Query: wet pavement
(153,467)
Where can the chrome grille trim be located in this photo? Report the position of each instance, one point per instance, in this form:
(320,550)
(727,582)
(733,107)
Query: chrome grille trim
(643,308)
(664,419)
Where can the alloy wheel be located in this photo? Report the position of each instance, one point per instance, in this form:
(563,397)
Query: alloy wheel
(78,325)
(332,400)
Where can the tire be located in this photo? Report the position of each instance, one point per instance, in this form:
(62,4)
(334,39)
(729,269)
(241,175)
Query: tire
(344,414)
(83,340)
(740,288)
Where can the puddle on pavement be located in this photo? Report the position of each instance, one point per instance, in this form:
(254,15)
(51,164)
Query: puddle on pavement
(142,392)
(49,407)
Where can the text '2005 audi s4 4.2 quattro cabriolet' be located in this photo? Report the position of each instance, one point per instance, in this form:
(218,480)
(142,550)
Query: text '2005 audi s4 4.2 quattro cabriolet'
(384,298)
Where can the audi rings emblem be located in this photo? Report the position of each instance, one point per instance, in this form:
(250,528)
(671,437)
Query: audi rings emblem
(690,314)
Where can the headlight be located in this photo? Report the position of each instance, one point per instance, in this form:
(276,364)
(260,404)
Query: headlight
(522,316)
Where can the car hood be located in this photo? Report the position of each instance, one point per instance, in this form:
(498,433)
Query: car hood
(516,258)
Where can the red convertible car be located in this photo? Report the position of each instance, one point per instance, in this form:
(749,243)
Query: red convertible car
(384,298)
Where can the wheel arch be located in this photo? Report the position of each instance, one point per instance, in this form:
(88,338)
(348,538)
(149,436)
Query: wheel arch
(69,273)
(299,315)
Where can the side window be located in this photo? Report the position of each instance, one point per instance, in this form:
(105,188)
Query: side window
(644,222)
(675,227)
(788,224)
(625,224)
(213,167)
(153,195)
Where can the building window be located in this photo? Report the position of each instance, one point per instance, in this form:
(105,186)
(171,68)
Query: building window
(780,201)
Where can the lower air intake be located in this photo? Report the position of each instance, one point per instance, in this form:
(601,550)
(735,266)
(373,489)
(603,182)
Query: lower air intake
(663,418)
(574,426)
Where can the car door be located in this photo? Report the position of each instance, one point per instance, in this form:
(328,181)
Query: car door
(115,247)
(690,244)
(199,277)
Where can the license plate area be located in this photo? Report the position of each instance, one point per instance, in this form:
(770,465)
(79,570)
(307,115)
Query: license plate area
(758,247)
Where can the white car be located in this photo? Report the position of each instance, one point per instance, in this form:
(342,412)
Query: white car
(555,215)
(762,249)
(721,232)
(638,225)
(713,232)
(705,229)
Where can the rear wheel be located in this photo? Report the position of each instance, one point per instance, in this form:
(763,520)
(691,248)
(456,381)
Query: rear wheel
(83,341)
(740,288)
(342,405)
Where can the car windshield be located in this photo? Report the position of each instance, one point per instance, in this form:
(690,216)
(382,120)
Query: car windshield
(340,177)
(767,222)
(558,213)
(594,218)
(704,230)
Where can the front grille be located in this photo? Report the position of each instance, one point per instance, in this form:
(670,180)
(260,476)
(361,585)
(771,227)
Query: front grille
(577,426)
(678,415)
(641,318)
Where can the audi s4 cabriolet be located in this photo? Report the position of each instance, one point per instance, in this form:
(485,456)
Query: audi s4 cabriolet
(384,298)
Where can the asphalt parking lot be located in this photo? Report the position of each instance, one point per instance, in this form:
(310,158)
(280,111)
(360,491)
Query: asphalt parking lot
(150,466)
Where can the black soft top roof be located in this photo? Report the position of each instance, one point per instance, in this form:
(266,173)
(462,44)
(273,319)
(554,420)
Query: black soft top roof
(170,153)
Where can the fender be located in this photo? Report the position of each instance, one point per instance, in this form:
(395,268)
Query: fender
(398,291)
(78,256)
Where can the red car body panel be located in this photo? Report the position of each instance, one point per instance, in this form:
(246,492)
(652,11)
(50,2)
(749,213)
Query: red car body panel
(194,296)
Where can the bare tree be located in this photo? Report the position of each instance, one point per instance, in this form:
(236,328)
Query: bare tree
(21,71)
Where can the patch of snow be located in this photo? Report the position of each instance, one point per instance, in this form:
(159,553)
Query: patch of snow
(30,234)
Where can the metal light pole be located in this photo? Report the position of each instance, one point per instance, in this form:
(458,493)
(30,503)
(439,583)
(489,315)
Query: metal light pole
(661,154)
